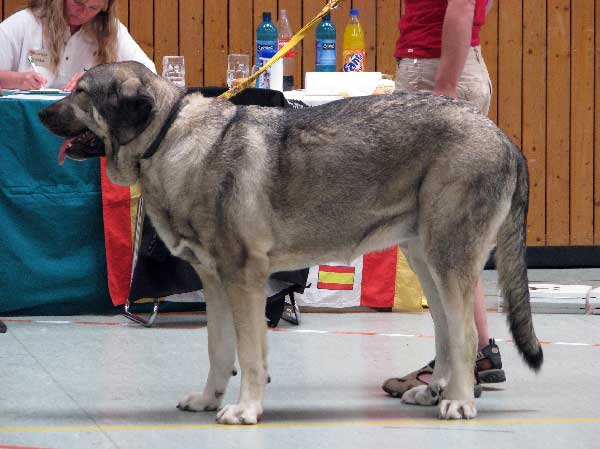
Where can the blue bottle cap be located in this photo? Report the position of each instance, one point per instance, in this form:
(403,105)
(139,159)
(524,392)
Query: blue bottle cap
(354,12)
(267,53)
(266,16)
(327,17)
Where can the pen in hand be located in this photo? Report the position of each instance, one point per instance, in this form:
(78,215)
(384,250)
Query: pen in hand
(35,69)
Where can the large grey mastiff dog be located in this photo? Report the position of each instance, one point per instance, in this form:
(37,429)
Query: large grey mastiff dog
(244,191)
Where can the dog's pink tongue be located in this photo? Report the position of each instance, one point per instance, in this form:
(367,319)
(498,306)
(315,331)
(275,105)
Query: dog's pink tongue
(62,153)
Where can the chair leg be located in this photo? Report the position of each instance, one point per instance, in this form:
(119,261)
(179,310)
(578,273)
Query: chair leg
(291,312)
(138,319)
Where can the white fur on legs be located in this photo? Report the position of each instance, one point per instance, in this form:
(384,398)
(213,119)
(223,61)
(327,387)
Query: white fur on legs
(422,395)
(221,350)
(413,251)
(459,402)
(453,409)
(248,307)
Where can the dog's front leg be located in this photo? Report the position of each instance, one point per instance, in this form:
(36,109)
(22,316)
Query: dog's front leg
(221,349)
(429,394)
(248,307)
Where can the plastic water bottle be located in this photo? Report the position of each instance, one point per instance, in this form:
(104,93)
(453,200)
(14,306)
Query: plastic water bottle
(266,35)
(284,35)
(354,45)
(326,53)
(272,78)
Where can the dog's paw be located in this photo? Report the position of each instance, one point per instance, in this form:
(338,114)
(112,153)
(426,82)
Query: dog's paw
(199,402)
(422,395)
(249,413)
(454,409)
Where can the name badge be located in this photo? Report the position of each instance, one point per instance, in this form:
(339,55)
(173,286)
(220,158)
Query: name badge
(41,57)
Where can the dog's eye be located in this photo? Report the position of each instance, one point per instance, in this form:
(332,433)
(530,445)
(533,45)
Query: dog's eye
(79,90)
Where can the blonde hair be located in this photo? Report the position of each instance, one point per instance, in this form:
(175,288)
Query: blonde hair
(103,28)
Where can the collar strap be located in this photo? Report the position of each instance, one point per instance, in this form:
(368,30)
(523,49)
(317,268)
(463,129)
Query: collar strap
(165,128)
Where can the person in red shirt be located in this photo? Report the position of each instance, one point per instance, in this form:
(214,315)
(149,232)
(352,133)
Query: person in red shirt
(438,51)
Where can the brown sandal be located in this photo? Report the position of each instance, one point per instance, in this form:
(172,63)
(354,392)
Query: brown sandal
(397,386)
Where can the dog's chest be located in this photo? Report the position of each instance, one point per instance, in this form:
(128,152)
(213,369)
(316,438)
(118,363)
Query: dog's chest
(180,236)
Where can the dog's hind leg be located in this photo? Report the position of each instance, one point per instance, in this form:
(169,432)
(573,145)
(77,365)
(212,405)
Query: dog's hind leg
(248,301)
(429,394)
(457,299)
(221,349)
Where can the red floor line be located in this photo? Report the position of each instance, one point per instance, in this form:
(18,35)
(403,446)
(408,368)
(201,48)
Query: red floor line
(277,329)
(21,447)
(103,323)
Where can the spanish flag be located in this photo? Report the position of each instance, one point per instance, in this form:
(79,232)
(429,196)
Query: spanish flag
(336,277)
(381,279)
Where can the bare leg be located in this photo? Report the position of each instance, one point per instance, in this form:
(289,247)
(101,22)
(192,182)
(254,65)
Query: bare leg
(483,333)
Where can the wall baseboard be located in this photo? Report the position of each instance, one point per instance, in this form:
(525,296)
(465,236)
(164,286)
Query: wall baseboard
(557,257)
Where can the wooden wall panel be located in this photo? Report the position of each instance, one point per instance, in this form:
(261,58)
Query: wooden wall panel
(310,9)
(510,72)
(597,134)
(141,25)
(123,12)
(215,43)
(489,45)
(558,122)
(166,30)
(241,32)
(582,123)
(388,14)
(191,40)
(543,58)
(534,118)
(12,6)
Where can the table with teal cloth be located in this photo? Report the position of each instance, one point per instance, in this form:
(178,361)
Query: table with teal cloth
(52,256)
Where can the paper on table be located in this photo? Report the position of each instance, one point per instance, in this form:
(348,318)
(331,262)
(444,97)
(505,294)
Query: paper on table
(48,91)
(346,84)
(28,96)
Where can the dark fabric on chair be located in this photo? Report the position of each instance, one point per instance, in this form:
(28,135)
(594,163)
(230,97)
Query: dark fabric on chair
(250,96)
(157,273)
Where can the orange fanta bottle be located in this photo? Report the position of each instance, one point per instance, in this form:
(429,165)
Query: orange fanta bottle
(354,45)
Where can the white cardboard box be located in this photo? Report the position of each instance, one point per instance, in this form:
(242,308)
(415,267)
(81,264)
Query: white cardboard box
(593,303)
(555,298)
(345,84)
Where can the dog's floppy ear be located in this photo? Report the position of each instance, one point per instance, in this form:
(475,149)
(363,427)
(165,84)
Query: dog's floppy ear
(134,109)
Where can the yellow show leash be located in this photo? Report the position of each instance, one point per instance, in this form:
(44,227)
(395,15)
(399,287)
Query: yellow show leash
(245,82)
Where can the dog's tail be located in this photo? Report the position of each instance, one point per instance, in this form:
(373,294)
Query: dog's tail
(512,270)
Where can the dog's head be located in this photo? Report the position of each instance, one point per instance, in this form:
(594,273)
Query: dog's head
(110,108)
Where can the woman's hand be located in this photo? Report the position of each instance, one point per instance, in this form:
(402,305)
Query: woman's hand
(72,82)
(31,81)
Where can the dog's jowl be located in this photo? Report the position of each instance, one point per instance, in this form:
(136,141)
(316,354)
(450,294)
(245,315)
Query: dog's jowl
(237,190)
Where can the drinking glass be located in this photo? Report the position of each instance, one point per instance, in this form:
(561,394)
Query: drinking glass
(238,66)
(174,70)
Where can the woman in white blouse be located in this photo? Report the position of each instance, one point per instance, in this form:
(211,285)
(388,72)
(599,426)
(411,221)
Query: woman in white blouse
(62,38)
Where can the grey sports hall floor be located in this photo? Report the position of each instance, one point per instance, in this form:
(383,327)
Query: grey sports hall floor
(112,384)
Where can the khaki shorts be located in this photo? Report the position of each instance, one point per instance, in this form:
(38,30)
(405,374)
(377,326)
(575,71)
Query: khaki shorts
(474,84)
